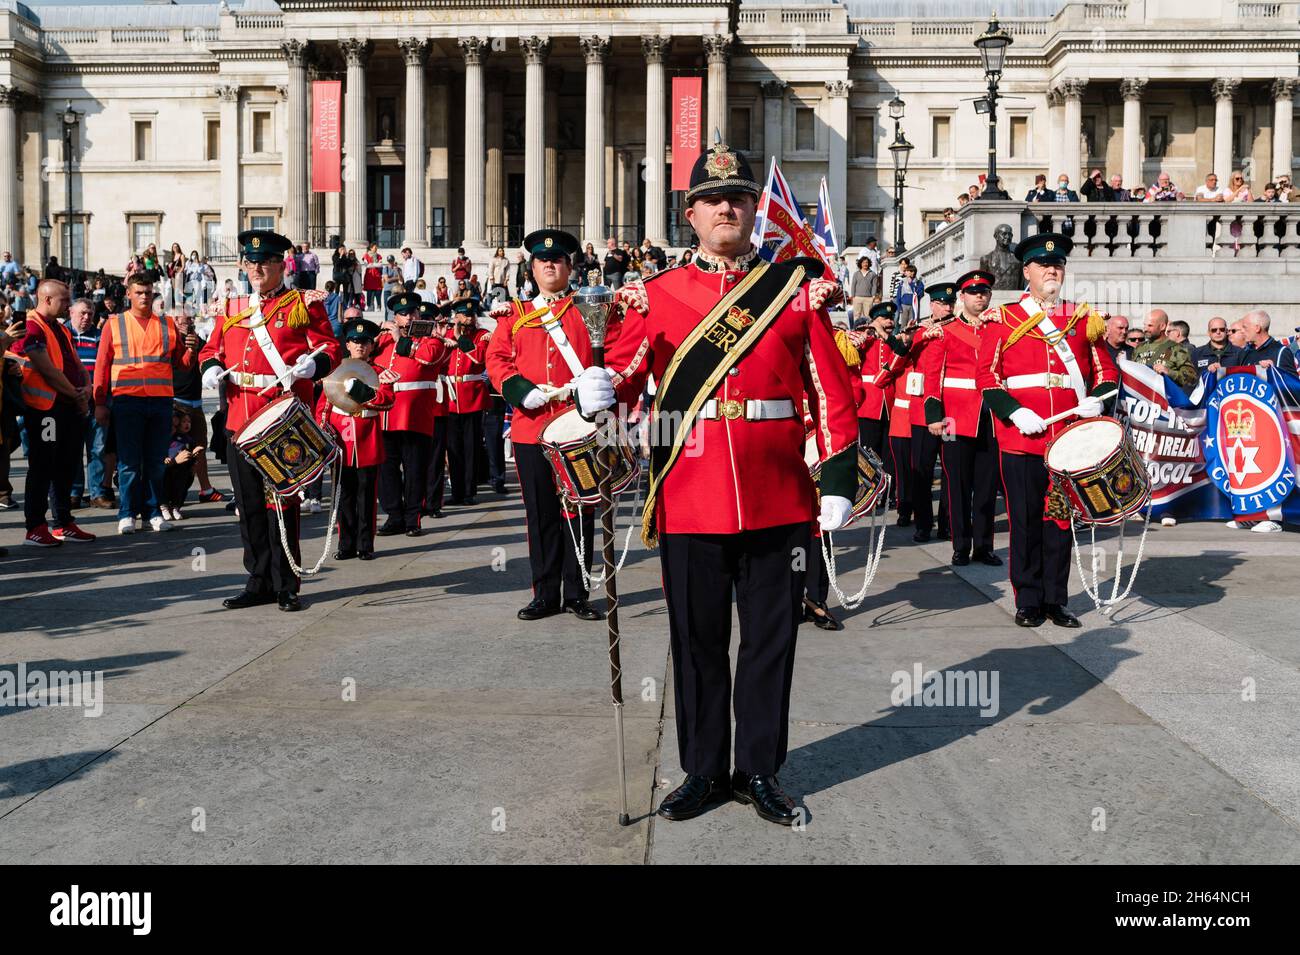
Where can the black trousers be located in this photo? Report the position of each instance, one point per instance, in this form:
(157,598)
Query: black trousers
(464,435)
(819,578)
(264,557)
(925,452)
(357,487)
(970,476)
(494,422)
(551,552)
(899,465)
(700,573)
(55,439)
(873,434)
(176,483)
(436,472)
(402,476)
(1040,550)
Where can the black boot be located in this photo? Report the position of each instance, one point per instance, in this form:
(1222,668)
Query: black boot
(767,797)
(695,795)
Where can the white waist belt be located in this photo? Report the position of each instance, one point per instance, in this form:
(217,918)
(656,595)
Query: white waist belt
(1043,380)
(961,384)
(482,376)
(416,385)
(246,379)
(752,409)
(363,413)
(902,403)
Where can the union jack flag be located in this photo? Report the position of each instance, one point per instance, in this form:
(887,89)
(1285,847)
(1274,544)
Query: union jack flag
(781,230)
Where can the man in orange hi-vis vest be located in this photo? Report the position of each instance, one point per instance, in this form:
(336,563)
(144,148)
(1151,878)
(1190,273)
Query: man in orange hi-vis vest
(133,373)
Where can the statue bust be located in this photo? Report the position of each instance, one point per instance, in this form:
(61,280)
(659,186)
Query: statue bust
(1002,262)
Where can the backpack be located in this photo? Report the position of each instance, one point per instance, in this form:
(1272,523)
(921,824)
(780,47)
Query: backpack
(419,268)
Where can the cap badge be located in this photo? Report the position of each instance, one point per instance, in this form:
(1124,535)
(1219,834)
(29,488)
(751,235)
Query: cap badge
(1050,246)
(721,162)
(256,243)
(549,242)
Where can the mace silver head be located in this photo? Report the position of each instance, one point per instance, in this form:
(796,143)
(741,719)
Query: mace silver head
(595,303)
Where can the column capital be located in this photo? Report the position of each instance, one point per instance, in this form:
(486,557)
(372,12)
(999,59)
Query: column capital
(296,52)
(535,49)
(474,49)
(1132,88)
(414,50)
(655,48)
(594,49)
(1224,88)
(356,51)
(1285,88)
(227,93)
(774,89)
(839,87)
(717,47)
(1072,88)
(1054,97)
(11,96)
(283,90)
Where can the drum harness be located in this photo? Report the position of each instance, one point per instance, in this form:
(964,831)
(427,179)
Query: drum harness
(875,547)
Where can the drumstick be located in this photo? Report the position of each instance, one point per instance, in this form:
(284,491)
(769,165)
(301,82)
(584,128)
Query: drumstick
(1074,411)
(280,380)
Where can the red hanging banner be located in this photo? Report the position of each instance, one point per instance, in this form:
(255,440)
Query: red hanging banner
(687,91)
(326,139)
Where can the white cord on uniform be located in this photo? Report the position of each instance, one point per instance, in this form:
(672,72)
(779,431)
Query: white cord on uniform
(329,531)
(875,547)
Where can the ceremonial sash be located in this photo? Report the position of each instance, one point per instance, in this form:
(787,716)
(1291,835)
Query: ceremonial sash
(725,335)
(1064,352)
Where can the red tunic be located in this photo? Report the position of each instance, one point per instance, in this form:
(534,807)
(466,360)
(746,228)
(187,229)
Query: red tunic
(469,390)
(417,391)
(999,364)
(361,435)
(521,354)
(892,377)
(875,356)
(950,388)
(234,346)
(737,475)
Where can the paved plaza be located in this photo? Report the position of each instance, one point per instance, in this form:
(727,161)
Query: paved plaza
(407,715)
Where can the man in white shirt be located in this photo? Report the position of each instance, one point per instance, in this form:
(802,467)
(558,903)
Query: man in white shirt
(411,268)
(1210,192)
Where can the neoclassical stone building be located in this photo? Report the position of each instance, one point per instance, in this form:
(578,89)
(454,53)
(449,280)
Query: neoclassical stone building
(476,120)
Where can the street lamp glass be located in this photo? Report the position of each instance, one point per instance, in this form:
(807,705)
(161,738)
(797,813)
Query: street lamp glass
(45,229)
(992,44)
(69,115)
(900,149)
(896,106)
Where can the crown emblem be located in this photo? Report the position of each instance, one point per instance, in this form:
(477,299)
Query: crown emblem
(721,162)
(256,242)
(1240,423)
(739,318)
(549,242)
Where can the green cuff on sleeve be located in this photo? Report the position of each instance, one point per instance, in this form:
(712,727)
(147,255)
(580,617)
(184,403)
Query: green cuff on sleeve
(896,345)
(839,474)
(211,363)
(323,366)
(514,388)
(465,343)
(1107,406)
(1000,403)
(933,411)
(404,347)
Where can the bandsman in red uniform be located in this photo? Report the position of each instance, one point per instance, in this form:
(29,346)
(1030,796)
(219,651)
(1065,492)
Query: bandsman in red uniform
(414,367)
(925,443)
(362,440)
(259,345)
(1038,357)
(540,359)
(874,355)
(955,412)
(735,344)
(436,479)
(902,374)
(468,398)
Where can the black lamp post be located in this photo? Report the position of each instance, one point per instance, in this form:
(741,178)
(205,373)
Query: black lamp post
(45,230)
(70,118)
(992,44)
(900,149)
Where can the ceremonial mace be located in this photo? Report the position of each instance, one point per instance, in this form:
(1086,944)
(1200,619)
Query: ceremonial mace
(596,303)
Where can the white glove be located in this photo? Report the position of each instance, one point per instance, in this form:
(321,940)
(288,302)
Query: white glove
(1089,407)
(594,390)
(534,400)
(501,311)
(632,295)
(1028,421)
(835,512)
(304,368)
(211,378)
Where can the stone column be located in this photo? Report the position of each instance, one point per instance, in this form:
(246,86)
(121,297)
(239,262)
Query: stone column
(534,50)
(356,52)
(551,207)
(1054,143)
(230,222)
(10,97)
(438,138)
(474,50)
(1223,91)
(1072,133)
(716,49)
(1283,93)
(495,215)
(414,50)
(837,177)
(773,106)
(296,192)
(1131,91)
(594,50)
(655,49)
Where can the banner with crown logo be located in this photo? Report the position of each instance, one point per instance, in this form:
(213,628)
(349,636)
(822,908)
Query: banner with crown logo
(1247,444)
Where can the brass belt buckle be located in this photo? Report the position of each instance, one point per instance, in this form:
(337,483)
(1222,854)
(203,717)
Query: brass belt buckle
(245,379)
(731,409)
(1055,380)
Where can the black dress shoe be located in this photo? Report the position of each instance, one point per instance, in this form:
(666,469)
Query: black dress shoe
(820,615)
(390,528)
(1061,617)
(344,554)
(960,559)
(904,521)
(921,537)
(500,487)
(246,599)
(987,557)
(366,555)
(288,601)
(767,797)
(539,609)
(695,795)
(415,532)
(584,610)
(1030,617)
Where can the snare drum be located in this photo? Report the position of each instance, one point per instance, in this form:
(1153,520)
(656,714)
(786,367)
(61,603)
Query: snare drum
(570,445)
(1102,475)
(872,478)
(286,446)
